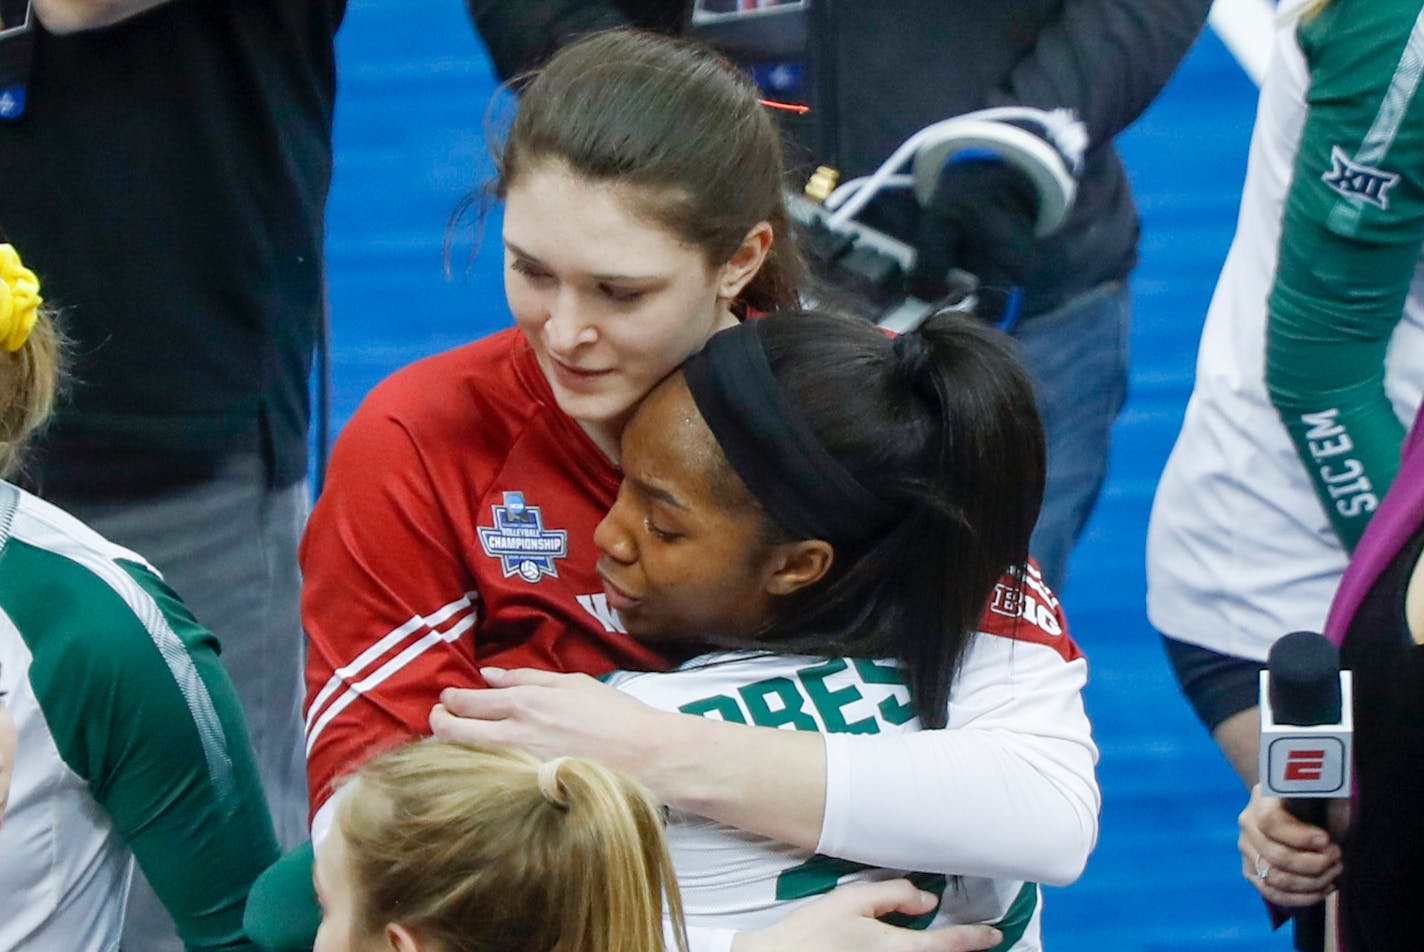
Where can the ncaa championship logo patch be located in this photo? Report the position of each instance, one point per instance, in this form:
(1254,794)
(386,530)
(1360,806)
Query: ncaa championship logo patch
(1356,180)
(520,541)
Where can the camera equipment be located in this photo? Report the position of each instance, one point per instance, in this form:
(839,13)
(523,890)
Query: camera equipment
(864,270)
(785,47)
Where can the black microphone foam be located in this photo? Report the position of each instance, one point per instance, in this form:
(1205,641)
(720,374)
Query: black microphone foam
(1305,679)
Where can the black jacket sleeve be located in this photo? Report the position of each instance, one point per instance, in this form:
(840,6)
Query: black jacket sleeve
(521,34)
(1106,59)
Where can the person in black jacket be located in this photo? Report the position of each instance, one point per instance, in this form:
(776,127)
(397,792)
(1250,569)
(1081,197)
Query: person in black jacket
(168,179)
(896,66)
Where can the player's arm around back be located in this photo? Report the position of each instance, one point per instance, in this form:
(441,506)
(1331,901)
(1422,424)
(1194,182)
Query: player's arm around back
(1007,789)
(388,604)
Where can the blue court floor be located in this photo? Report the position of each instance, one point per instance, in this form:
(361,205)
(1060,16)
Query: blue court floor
(415,89)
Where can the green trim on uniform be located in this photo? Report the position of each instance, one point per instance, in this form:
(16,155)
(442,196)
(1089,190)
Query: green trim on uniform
(1402,86)
(1016,920)
(1351,235)
(9,500)
(161,615)
(282,911)
(1365,59)
(139,707)
(1374,148)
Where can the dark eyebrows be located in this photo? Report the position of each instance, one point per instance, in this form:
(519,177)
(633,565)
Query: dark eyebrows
(656,492)
(519,252)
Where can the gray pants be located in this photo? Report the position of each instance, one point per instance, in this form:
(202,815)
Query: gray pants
(228,547)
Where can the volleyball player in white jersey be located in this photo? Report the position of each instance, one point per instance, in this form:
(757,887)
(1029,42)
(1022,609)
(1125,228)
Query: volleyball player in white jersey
(1311,360)
(816,517)
(131,742)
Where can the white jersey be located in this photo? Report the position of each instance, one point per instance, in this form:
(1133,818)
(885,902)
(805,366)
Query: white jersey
(130,741)
(738,880)
(1239,549)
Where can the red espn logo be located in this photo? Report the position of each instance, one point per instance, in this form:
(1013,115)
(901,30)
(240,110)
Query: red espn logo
(1305,765)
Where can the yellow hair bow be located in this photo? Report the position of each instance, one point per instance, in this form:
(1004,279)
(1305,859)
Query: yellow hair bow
(19,299)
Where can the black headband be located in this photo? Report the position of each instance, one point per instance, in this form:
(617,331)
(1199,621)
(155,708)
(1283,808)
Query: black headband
(766,438)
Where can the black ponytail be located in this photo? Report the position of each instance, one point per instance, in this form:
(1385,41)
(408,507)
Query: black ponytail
(941,424)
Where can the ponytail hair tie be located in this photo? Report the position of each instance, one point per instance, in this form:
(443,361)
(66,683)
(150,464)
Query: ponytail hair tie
(913,353)
(19,300)
(549,784)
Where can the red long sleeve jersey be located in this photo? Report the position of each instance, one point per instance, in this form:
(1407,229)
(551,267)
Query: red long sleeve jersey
(455,530)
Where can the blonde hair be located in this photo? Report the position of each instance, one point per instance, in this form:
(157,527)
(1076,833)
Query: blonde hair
(31,374)
(484,850)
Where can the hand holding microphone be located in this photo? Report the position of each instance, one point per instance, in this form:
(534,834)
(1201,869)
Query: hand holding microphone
(1290,862)
(1306,726)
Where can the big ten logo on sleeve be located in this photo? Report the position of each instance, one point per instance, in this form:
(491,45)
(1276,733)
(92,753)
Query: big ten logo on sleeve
(519,539)
(1023,595)
(838,696)
(1023,608)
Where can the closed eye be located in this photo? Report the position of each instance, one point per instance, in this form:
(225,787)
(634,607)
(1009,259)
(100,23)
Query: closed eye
(662,535)
(621,295)
(528,269)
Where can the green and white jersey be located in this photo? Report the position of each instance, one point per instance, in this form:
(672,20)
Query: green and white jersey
(131,745)
(732,879)
(1316,324)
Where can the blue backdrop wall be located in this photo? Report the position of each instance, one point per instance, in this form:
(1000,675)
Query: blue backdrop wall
(415,87)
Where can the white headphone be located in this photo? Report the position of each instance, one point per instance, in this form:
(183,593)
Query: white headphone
(1051,160)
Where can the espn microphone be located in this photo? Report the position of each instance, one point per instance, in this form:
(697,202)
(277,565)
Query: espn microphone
(1306,722)
(1306,726)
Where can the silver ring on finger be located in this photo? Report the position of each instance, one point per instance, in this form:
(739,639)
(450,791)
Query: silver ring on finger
(1263,868)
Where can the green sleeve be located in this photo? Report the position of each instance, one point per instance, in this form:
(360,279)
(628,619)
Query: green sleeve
(141,708)
(282,912)
(1351,236)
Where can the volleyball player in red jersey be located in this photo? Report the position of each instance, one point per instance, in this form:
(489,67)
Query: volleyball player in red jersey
(643,212)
